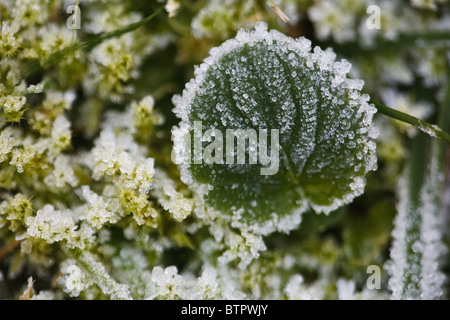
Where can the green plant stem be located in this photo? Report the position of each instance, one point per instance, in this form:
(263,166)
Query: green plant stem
(88,44)
(430,129)
(419,274)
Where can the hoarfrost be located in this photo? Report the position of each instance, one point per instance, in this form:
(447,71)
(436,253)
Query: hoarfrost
(417,248)
(264,79)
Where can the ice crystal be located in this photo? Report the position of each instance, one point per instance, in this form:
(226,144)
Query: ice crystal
(63,174)
(265,80)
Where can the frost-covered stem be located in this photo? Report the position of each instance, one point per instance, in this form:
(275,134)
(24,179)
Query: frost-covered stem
(432,198)
(430,129)
(101,277)
(406,253)
(278,11)
(418,247)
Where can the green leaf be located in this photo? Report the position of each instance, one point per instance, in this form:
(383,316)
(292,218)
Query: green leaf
(265,80)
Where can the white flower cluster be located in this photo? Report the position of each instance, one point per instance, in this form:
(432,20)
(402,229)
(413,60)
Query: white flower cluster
(117,157)
(55,225)
(14,211)
(170,199)
(98,211)
(51,225)
(74,279)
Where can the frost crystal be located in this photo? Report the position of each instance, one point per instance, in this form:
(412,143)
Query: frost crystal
(265,80)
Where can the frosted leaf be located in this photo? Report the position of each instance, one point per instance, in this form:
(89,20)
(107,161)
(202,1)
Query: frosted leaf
(305,131)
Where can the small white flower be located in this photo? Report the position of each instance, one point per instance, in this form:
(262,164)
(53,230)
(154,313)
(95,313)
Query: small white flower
(207,284)
(62,174)
(171,200)
(172,7)
(113,155)
(74,282)
(168,283)
(61,134)
(73,279)
(7,143)
(331,19)
(9,44)
(12,103)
